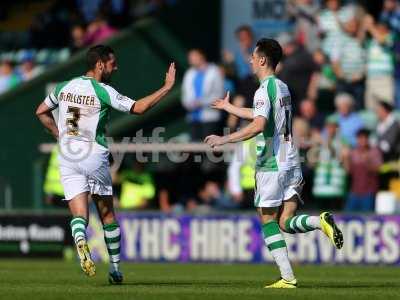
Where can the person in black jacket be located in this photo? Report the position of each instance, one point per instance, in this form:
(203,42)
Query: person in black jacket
(388,134)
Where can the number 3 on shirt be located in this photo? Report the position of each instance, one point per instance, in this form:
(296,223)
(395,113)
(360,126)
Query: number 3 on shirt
(72,120)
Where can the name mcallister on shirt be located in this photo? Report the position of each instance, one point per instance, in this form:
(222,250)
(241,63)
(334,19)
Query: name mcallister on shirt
(78,99)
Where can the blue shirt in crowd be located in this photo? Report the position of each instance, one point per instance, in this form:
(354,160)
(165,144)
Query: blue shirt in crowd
(349,125)
(198,83)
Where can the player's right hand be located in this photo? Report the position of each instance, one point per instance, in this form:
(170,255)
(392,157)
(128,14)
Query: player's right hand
(221,103)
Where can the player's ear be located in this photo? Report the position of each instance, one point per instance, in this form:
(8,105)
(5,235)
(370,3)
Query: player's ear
(100,65)
(263,60)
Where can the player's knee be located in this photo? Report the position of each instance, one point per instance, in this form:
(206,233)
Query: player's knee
(108,219)
(282,222)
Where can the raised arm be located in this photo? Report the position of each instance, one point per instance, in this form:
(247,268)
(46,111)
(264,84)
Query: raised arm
(144,104)
(43,112)
(241,112)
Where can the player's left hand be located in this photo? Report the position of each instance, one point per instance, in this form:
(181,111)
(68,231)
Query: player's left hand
(170,77)
(215,140)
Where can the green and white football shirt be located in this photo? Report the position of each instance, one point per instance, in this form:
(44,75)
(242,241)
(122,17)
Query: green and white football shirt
(276,150)
(84,105)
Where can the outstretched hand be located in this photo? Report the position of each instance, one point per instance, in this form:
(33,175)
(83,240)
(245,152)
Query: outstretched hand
(221,103)
(215,140)
(170,77)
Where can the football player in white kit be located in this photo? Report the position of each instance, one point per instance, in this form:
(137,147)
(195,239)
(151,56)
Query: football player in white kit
(278,175)
(84,104)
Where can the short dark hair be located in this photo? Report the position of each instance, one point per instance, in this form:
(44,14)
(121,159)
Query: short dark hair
(363,132)
(271,49)
(96,53)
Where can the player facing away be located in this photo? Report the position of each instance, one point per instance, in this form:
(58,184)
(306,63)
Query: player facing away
(278,175)
(84,104)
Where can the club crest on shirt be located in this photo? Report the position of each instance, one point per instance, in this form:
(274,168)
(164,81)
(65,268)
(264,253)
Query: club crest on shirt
(121,97)
(259,103)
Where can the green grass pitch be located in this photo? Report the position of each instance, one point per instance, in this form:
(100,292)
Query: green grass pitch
(56,279)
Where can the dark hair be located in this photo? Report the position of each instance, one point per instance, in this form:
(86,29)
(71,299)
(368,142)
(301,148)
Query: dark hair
(386,106)
(271,49)
(96,53)
(364,132)
(245,28)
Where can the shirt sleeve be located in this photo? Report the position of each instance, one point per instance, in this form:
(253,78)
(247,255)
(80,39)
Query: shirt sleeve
(261,104)
(119,101)
(51,100)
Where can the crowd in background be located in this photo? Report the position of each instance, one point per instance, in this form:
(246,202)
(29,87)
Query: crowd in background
(64,28)
(341,65)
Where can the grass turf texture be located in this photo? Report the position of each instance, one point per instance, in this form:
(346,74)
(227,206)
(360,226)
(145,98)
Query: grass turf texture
(46,279)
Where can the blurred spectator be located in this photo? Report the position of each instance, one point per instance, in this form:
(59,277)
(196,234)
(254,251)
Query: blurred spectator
(348,59)
(349,121)
(8,77)
(391,15)
(323,82)
(202,84)
(98,31)
(241,174)
(242,54)
(52,186)
(388,132)
(388,135)
(329,21)
(380,64)
(329,184)
(78,41)
(28,70)
(305,13)
(362,163)
(209,196)
(246,83)
(309,112)
(296,69)
(88,9)
(137,187)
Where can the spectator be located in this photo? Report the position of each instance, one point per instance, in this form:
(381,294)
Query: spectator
(78,40)
(388,132)
(246,83)
(309,112)
(98,31)
(242,55)
(391,15)
(304,13)
(209,196)
(329,21)
(329,184)
(8,77)
(202,84)
(348,59)
(323,82)
(296,69)
(137,187)
(380,64)
(349,121)
(362,163)
(241,174)
(388,135)
(28,70)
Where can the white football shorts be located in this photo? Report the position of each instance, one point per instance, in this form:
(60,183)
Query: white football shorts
(272,188)
(85,167)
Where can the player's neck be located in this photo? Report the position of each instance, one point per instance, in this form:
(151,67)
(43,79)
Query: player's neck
(94,75)
(263,74)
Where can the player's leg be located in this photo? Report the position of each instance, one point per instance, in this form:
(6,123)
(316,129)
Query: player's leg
(276,244)
(112,235)
(78,206)
(268,198)
(292,223)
